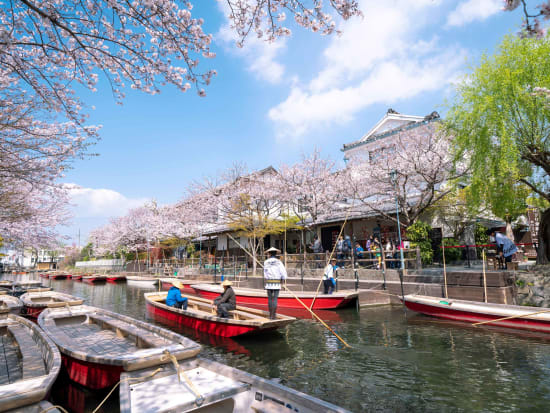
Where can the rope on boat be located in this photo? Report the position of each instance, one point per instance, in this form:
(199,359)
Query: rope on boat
(199,397)
(511,317)
(54,407)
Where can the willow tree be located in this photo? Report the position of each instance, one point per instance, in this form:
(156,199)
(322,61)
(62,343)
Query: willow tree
(502,127)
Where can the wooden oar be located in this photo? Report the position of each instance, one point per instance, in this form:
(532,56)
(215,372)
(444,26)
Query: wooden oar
(330,257)
(511,317)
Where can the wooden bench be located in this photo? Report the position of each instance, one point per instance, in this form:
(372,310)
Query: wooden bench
(31,355)
(123,329)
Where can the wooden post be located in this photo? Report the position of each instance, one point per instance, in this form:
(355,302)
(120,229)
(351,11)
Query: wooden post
(418,259)
(484,276)
(444,267)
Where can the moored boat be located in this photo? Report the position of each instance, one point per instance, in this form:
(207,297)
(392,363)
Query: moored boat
(97,345)
(94,278)
(166,284)
(77,277)
(255,297)
(112,278)
(13,304)
(57,276)
(201,315)
(36,302)
(31,362)
(142,281)
(29,284)
(6,284)
(516,317)
(204,385)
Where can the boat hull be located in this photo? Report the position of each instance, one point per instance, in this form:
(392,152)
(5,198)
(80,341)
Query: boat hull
(92,375)
(57,276)
(206,326)
(93,280)
(167,284)
(322,302)
(476,317)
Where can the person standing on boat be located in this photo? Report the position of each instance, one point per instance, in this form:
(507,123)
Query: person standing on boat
(328,276)
(505,247)
(174,298)
(274,274)
(226,301)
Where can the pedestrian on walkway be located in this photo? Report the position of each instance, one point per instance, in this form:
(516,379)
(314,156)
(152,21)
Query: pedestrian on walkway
(329,283)
(274,275)
(505,246)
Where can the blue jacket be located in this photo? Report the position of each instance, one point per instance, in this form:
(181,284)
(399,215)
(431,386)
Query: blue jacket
(174,296)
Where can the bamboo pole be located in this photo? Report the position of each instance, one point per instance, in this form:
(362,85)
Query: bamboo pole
(296,297)
(484,275)
(317,317)
(330,257)
(511,317)
(444,267)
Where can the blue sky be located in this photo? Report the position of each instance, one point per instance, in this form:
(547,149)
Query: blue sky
(272,102)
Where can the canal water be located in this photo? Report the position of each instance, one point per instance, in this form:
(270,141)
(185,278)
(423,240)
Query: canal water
(399,362)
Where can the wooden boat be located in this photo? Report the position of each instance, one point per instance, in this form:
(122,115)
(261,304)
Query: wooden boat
(36,302)
(31,362)
(57,276)
(142,281)
(475,312)
(77,277)
(93,279)
(201,315)
(97,345)
(166,284)
(214,388)
(29,284)
(13,304)
(115,278)
(255,297)
(6,284)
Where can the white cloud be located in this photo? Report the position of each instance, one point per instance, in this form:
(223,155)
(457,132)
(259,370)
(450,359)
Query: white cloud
(472,10)
(379,59)
(260,56)
(100,203)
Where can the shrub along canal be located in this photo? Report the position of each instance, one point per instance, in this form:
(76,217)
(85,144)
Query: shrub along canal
(398,363)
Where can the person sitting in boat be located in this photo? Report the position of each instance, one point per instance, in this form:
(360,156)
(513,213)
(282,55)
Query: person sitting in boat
(174,298)
(226,301)
(505,247)
(274,273)
(328,276)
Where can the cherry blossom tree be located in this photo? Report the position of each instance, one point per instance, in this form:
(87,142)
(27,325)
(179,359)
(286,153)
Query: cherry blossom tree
(310,188)
(246,203)
(50,47)
(531,19)
(415,165)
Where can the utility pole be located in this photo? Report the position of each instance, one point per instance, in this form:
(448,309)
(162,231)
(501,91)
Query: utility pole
(78,239)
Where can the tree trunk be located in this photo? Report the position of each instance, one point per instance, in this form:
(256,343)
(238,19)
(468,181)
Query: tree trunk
(254,246)
(509,231)
(543,251)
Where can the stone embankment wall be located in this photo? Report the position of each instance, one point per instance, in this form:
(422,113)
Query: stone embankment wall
(533,286)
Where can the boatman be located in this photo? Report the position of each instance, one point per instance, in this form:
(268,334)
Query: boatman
(226,301)
(174,298)
(274,274)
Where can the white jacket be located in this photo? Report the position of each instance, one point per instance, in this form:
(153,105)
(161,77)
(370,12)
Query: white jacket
(274,272)
(329,272)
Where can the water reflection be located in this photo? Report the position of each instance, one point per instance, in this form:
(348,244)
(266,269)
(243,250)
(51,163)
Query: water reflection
(397,363)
